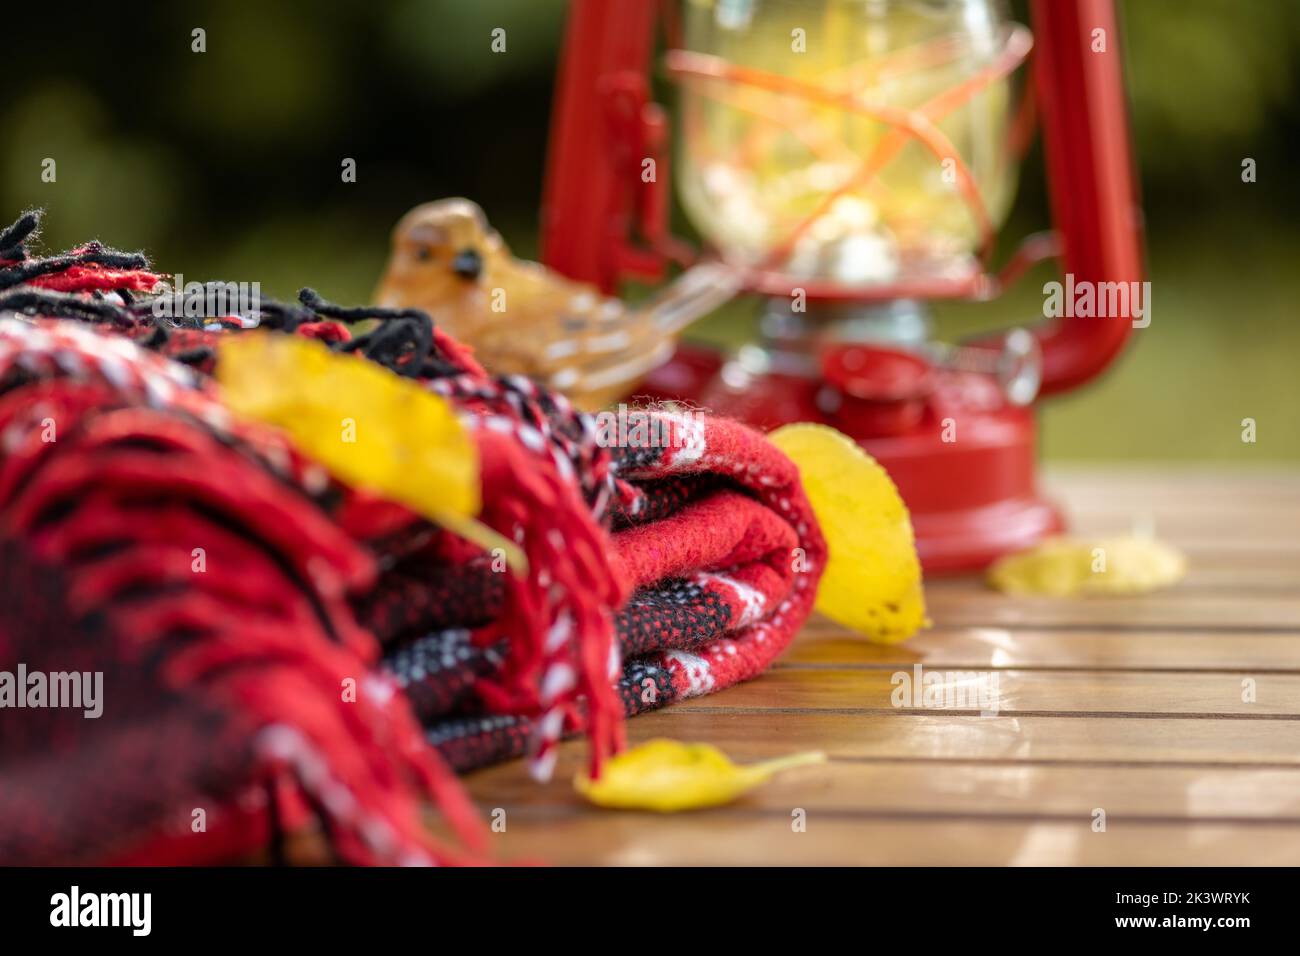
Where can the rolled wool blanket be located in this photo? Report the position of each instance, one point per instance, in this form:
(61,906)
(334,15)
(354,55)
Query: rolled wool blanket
(711,535)
(269,634)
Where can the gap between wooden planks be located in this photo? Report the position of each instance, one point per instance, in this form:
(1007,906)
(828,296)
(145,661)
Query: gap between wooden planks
(1132,706)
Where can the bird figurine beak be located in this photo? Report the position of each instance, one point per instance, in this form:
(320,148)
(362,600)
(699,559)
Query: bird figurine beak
(467,264)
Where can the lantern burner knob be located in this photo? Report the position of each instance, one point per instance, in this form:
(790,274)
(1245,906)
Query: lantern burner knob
(1016,362)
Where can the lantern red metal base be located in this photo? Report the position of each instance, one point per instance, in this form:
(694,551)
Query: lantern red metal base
(965,465)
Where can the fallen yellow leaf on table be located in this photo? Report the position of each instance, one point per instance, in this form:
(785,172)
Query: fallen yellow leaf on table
(1065,567)
(872,582)
(668,775)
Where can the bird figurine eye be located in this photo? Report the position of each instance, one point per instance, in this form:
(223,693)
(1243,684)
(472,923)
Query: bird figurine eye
(467,264)
(423,253)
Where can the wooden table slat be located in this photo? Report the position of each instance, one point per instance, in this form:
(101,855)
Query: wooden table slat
(1011,692)
(1252,652)
(633,839)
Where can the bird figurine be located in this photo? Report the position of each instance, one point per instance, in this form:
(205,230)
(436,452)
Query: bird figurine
(523,318)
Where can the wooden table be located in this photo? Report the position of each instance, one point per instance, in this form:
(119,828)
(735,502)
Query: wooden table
(1135,708)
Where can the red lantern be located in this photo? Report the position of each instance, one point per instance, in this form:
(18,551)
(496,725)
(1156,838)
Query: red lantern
(824,180)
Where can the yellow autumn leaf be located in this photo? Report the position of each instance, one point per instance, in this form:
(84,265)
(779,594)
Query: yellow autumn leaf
(668,775)
(370,428)
(872,582)
(1064,567)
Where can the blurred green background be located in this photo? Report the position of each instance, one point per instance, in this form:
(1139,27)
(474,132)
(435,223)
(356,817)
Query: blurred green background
(226,164)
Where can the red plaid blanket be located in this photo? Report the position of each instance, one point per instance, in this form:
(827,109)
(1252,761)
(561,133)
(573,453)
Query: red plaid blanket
(714,541)
(277,648)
